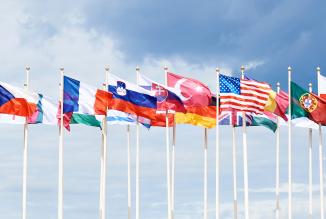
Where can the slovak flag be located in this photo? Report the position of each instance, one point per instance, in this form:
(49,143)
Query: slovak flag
(166,99)
(191,91)
(130,98)
(17,101)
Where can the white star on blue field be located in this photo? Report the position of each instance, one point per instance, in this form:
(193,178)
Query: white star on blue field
(192,38)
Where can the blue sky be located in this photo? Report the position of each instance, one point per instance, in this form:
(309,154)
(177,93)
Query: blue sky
(190,37)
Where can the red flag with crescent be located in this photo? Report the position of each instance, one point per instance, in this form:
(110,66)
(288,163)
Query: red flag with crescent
(191,91)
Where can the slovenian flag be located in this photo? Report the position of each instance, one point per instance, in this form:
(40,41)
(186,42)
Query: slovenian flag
(166,99)
(81,102)
(130,98)
(17,101)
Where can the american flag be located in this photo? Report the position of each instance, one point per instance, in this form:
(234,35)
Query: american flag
(243,95)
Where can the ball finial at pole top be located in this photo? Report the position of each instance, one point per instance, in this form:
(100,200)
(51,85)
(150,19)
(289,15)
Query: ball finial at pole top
(28,68)
(310,85)
(165,68)
(278,84)
(217,70)
(289,68)
(61,69)
(107,68)
(318,69)
(242,68)
(137,68)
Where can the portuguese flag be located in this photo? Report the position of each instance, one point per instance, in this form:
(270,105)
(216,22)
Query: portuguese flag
(306,104)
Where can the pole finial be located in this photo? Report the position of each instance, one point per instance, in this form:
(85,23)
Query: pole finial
(310,85)
(289,68)
(165,68)
(217,70)
(107,68)
(318,69)
(137,68)
(242,68)
(278,84)
(28,68)
(61,69)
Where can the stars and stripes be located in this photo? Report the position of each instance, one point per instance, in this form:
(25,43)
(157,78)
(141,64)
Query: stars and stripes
(243,94)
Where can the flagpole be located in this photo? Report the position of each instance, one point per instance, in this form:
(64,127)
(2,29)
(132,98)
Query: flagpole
(289,148)
(321,172)
(310,165)
(25,161)
(234,166)
(61,132)
(277,189)
(167,141)
(104,154)
(129,171)
(217,165)
(205,174)
(173,169)
(245,158)
(137,203)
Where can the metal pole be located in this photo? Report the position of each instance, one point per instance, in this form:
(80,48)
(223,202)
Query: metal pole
(61,132)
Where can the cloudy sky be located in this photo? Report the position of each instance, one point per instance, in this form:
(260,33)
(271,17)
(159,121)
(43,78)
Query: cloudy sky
(190,37)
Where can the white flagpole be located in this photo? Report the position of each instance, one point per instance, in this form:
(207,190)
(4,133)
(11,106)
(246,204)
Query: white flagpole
(129,171)
(321,172)
(245,159)
(289,148)
(205,175)
(25,162)
(61,132)
(167,141)
(277,187)
(217,165)
(104,155)
(310,165)
(173,170)
(234,166)
(137,203)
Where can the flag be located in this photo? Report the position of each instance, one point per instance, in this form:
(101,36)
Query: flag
(82,102)
(130,98)
(17,101)
(322,86)
(268,120)
(277,103)
(301,122)
(192,92)
(306,104)
(115,117)
(166,98)
(243,95)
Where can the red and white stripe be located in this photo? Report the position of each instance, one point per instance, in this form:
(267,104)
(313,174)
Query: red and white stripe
(253,97)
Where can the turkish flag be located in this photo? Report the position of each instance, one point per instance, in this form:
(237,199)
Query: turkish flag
(191,91)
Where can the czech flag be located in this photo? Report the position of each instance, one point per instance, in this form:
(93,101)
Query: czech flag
(17,101)
(130,98)
(166,99)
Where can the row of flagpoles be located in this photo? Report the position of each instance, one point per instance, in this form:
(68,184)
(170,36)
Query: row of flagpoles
(170,160)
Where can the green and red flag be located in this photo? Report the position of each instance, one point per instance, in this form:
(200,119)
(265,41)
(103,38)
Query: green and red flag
(307,104)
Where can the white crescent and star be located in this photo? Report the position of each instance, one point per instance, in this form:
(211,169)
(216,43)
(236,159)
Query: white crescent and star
(177,86)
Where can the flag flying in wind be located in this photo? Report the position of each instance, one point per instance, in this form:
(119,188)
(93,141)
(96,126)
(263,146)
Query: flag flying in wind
(115,117)
(306,104)
(166,98)
(322,86)
(278,103)
(82,102)
(17,101)
(192,92)
(130,98)
(243,95)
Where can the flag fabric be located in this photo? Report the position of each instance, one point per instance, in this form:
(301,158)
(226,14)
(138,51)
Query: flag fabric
(81,102)
(278,103)
(322,86)
(301,122)
(192,92)
(130,98)
(243,95)
(17,101)
(166,98)
(115,117)
(306,104)
(268,120)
